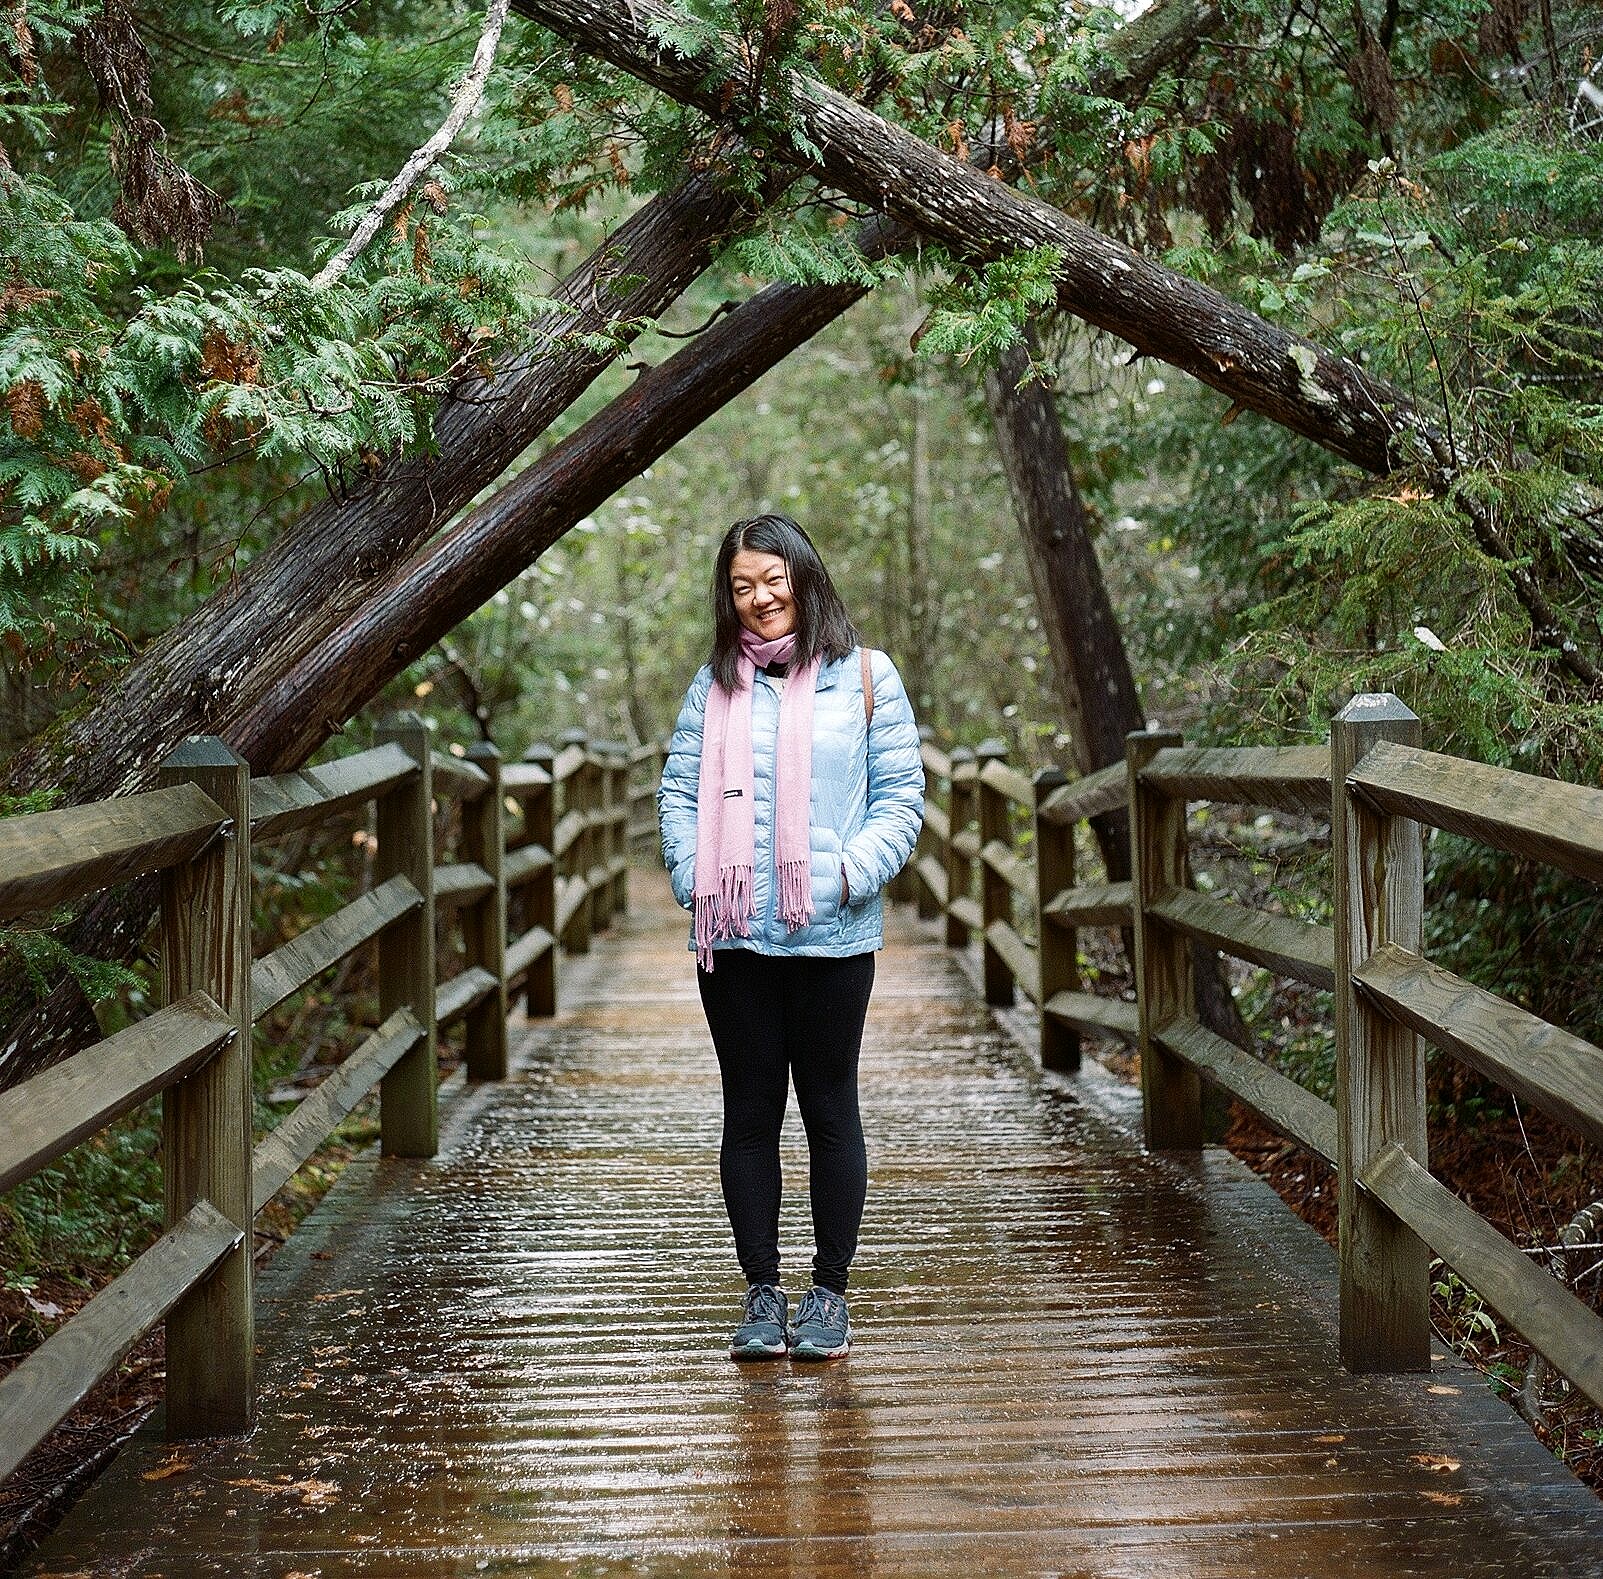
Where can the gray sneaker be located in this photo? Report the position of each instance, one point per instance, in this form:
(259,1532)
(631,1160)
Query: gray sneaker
(763,1320)
(821,1330)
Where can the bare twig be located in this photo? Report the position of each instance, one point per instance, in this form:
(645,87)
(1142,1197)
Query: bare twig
(463,103)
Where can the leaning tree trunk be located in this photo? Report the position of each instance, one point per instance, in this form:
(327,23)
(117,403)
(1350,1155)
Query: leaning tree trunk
(1289,379)
(238,646)
(1096,689)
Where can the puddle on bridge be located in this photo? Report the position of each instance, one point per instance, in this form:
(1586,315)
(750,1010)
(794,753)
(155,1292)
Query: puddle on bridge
(1073,1359)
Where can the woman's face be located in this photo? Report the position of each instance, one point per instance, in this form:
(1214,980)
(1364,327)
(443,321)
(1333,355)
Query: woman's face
(763,599)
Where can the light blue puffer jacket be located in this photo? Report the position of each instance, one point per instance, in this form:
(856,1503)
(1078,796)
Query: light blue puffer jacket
(867,805)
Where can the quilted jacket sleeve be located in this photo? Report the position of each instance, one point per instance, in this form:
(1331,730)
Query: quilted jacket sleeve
(676,795)
(880,848)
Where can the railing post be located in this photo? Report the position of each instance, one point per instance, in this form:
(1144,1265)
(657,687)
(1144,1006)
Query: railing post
(996,893)
(622,809)
(206,1117)
(576,797)
(1380,1065)
(540,827)
(959,866)
(928,909)
(484,923)
(1171,1090)
(409,1100)
(1057,947)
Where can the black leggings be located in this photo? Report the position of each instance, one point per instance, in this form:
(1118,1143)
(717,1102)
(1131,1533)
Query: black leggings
(775,1018)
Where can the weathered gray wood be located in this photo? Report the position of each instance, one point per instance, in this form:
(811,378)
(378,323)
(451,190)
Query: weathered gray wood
(1542,819)
(963,807)
(577,918)
(967,913)
(933,876)
(454,776)
(1552,1070)
(996,893)
(49,1114)
(1097,1016)
(570,828)
(1286,778)
(540,895)
(936,821)
(1171,1092)
(484,922)
(521,778)
(967,843)
(461,993)
(1013,869)
(936,762)
(1568,1333)
(1380,1065)
(1091,796)
(206,1117)
(301,1131)
(1282,944)
(1105,905)
(1017,956)
(523,863)
(1057,947)
(291,800)
(51,857)
(574,897)
(59,1373)
(460,883)
(997,775)
(294,964)
(570,759)
(527,951)
(409,1098)
(1296,1113)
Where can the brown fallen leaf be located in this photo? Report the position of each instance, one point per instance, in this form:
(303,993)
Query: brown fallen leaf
(175,1466)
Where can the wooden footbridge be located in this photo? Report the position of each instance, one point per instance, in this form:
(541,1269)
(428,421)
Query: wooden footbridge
(1088,1344)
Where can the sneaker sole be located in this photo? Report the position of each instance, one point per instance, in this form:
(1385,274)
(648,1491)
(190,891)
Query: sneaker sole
(756,1351)
(812,1355)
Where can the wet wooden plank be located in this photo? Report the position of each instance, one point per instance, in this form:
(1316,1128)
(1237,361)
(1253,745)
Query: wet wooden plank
(1282,944)
(1539,1307)
(58,1374)
(1099,1016)
(1092,796)
(1073,1358)
(300,1132)
(50,857)
(50,1113)
(1104,905)
(1559,1073)
(1296,1113)
(1542,819)
(292,965)
(1284,778)
(291,800)
(460,883)
(454,776)
(455,997)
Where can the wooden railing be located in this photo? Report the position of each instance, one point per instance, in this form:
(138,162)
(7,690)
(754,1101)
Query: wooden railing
(561,864)
(1393,1213)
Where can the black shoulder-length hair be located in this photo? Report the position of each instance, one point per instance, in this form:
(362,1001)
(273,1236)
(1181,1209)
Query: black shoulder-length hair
(824,630)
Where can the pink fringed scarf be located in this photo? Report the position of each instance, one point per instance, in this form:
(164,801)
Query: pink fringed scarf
(725,817)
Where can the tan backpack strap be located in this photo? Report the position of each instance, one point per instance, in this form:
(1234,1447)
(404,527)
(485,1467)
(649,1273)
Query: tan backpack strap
(868,688)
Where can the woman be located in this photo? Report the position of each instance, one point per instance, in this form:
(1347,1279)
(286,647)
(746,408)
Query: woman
(791,795)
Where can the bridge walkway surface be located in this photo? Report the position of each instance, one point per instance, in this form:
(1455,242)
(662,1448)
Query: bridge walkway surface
(1073,1358)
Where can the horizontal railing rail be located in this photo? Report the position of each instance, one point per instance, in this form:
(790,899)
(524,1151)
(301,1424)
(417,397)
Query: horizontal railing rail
(197,830)
(974,864)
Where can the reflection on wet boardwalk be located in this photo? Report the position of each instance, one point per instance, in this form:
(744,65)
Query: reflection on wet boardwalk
(1073,1359)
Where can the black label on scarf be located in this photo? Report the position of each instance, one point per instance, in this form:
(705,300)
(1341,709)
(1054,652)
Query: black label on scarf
(733,794)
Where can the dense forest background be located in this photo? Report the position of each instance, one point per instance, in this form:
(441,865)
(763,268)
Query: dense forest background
(223,447)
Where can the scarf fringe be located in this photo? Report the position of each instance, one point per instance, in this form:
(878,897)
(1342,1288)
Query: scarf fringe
(795,894)
(724,914)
